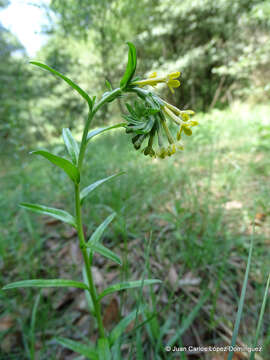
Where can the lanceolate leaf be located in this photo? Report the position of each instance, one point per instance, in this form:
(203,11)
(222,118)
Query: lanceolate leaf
(131,66)
(45,283)
(85,350)
(56,213)
(104,349)
(66,79)
(127,285)
(93,133)
(70,169)
(86,191)
(71,145)
(95,237)
(122,325)
(105,252)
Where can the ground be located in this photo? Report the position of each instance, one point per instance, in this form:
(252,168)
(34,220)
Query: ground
(187,220)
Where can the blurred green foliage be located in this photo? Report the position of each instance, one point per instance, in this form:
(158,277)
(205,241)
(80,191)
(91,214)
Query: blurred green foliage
(221,47)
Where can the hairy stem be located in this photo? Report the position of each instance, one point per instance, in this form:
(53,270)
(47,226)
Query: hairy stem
(110,96)
(92,288)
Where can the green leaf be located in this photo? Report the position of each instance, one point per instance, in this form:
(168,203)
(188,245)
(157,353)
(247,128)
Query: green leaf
(64,164)
(241,303)
(32,327)
(93,133)
(104,349)
(105,252)
(56,213)
(260,322)
(71,145)
(86,292)
(66,79)
(86,191)
(86,350)
(122,325)
(127,285)
(131,66)
(45,283)
(95,237)
(108,85)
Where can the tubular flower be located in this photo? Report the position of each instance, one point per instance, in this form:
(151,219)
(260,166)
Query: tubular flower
(148,121)
(182,118)
(153,80)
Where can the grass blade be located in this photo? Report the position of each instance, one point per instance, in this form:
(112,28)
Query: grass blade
(241,303)
(86,350)
(96,132)
(32,327)
(259,326)
(86,191)
(188,320)
(45,283)
(70,169)
(127,285)
(55,213)
(66,79)
(105,252)
(71,145)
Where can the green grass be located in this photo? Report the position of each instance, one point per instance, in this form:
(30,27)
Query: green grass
(199,205)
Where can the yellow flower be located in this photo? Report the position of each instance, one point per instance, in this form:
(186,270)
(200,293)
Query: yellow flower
(153,80)
(172,82)
(180,117)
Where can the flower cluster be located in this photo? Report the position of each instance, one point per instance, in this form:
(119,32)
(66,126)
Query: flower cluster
(149,117)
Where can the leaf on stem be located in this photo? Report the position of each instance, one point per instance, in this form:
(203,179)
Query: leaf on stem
(86,292)
(131,66)
(127,285)
(86,191)
(70,169)
(93,133)
(104,349)
(85,350)
(55,213)
(95,237)
(122,325)
(45,283)
(71,145)
(96,247)
(66,79)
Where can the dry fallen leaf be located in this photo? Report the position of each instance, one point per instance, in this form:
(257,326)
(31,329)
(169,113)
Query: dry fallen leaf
(259,219)
(6,322)
(97,275)
(111,314)
(173,277)
(189,280)
(11,341)
(233,205)
(70,233)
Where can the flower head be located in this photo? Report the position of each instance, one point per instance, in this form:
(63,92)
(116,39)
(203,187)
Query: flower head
(149,119)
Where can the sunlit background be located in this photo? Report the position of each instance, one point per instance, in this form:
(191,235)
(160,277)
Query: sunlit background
(25,20)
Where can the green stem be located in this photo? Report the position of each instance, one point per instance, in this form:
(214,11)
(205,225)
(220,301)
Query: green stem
(110,96)
(92,288)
